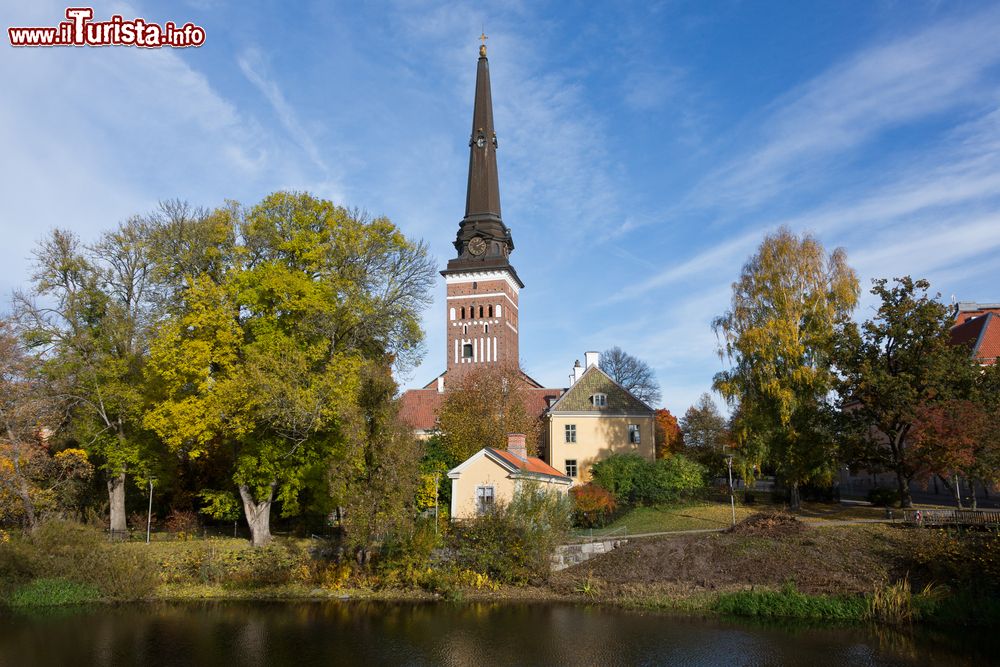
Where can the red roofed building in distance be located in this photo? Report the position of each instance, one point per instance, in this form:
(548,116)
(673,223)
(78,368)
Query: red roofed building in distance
(977,325)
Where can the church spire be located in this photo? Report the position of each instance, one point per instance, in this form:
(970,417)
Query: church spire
(483,240)
(482,200)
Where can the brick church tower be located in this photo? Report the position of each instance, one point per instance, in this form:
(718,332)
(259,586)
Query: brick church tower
(482,286)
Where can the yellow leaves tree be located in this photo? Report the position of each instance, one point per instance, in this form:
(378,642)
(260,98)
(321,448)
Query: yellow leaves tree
(778,336)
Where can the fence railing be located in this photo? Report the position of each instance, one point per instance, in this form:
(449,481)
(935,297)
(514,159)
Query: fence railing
(584,535)
(956,517)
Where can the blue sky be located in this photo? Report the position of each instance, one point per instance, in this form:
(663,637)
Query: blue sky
(645,148)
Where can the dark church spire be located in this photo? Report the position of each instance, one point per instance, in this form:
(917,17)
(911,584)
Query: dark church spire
(483,240)
(482,200)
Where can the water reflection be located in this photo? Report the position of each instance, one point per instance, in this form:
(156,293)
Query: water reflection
(348,633)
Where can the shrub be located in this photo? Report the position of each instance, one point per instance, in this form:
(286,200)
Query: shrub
(52,592)
(618,474)
(633,479)
(181,521)
(126,574)
(883,497)
(513,543)
(63,550)
(408,555)
(593,505)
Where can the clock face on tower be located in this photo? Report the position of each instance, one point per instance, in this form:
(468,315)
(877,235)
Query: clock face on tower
(477,246)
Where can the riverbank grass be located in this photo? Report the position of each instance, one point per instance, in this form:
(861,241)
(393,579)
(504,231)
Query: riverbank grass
(51,592)
(791,603)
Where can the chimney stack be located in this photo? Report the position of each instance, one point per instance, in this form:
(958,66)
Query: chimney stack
(516,445)
(591,359)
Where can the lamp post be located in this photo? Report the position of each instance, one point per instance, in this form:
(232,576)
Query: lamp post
(437,490)
(732,500)
(149,514)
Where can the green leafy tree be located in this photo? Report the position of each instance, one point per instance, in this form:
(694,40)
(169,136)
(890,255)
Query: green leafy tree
(895,364)
(264,355)
(706,435)
(376,475)
(88,314)
(778,336)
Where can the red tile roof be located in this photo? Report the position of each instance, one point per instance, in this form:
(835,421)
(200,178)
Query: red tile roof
(532,464)
(981,334)
(419,407)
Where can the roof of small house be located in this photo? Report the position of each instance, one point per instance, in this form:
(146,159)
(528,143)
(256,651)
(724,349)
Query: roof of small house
(531,466)
(578,398)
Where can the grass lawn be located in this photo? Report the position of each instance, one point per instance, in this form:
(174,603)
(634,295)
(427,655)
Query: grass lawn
(681,516)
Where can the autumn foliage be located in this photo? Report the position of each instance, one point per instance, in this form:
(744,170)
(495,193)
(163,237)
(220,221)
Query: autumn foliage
(592,504)
(669,439)
(483,407)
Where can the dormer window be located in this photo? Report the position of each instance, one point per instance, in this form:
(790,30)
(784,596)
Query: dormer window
(599,400)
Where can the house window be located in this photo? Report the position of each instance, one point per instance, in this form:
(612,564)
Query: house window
(499,310)
(570,432)
(451,314)
(491,311)
(467,350)
(599,400)
(486,328)
(480,311)
(633,434)
(571,467)
(463,312)
(484,499)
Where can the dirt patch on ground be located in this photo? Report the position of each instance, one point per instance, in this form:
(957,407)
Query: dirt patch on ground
(771,553)
(768,524)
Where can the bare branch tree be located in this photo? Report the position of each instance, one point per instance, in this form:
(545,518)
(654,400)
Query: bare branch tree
(632,373)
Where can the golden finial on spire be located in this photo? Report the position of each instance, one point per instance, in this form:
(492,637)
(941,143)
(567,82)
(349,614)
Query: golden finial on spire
(482,47)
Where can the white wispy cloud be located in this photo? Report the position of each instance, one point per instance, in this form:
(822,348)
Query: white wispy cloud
(882,87)
(254,68)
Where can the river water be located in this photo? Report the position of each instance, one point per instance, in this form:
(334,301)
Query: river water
(357,633)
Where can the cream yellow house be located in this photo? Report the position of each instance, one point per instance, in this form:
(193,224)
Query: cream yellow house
(493,475)
(593,419)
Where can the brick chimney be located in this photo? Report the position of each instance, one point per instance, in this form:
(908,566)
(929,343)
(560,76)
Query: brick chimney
(516,446)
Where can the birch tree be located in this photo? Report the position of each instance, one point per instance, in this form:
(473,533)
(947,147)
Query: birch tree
(778,337)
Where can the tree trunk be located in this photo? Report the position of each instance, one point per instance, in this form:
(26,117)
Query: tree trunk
(903,483)
(24,492)
(972,493)
(116,501)
(958,493)
(30,519)
(794,501)
(258,515)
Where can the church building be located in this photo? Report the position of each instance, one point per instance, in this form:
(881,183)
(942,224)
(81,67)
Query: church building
(482,321)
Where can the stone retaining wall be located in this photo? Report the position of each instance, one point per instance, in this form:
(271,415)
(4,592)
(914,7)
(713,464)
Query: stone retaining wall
(569,555)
